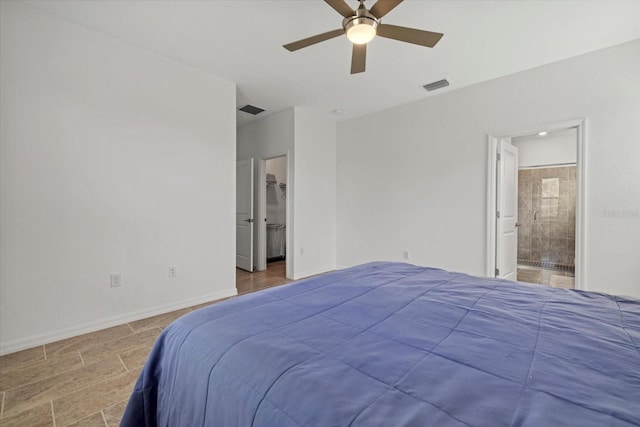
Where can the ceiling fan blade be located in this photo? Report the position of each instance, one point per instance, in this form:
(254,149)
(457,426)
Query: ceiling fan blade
(382,7)
(313,40)
(409,35)
(358,58)
(341,7)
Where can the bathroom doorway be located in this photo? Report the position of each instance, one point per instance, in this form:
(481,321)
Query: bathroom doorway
(547,192)
(550,205)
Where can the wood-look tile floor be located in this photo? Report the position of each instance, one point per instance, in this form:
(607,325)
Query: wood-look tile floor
(86,380)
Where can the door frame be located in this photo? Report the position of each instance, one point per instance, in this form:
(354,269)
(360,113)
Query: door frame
(250,162)
(581,215)
(261,228)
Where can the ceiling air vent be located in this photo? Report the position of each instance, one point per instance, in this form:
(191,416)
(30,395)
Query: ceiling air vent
(251,109)
(436,85)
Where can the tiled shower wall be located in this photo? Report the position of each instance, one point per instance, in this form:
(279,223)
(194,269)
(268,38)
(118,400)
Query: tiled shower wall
(547,215)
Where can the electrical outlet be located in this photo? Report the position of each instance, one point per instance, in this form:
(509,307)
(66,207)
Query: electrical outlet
(116,280)
(406,254)
(173,272)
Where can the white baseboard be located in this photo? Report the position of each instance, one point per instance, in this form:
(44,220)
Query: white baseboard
(314,272)
(49,337)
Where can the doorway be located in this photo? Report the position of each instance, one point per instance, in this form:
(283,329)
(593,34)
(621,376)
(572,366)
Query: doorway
(549,190)
(276,213)
(547,207)
(273,210)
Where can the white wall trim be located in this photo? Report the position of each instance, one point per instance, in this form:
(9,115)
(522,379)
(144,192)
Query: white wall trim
(40,339)
(492,165)
(581,208)
(581,212)
(306,274)
(261,226)
(289,219)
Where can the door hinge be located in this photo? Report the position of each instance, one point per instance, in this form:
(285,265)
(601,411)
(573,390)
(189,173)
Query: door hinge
(497,272)
(498,157)
(497,214)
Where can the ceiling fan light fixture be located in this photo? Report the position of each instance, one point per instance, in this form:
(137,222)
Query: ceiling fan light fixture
(361,30)
(363,25)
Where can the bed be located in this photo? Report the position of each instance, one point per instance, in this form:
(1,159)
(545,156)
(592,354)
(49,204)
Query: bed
(393,344)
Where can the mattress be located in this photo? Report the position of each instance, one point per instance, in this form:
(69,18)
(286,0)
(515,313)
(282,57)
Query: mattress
(393,344)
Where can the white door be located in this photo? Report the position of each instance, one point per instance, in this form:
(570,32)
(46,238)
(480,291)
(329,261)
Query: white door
(507,211)
(244,214)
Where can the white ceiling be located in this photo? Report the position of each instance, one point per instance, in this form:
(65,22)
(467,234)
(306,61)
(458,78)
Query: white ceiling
(241,41)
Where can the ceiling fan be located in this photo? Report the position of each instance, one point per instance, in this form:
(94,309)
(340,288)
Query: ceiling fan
(362,25)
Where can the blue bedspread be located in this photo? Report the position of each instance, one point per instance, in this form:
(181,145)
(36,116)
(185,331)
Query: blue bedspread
(391,344)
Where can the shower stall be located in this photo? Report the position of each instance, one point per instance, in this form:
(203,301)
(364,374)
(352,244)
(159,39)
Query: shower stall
(547,217)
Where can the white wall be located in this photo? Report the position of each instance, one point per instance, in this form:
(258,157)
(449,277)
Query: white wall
(310,140)
(113,160)
(414,177)
(553,149)
(266,138)
(315,193)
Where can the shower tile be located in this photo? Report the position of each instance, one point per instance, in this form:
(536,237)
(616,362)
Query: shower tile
(536,203)
(524,200)
(550,208)
(524,243)
(536,188)
(540,229)
(557,245)
(540,245)
(525,216)
(571,173)
(550,187)
(571,231)
(524,254)
(567,202)
(535,253)
(558,251)
(567,188)
(560,173)
(524,250)
(561,216)
(571,251)
(563,202)
(524,187)
(520,176)
(524,229)
(525,175)
(540,173)
(558,230)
